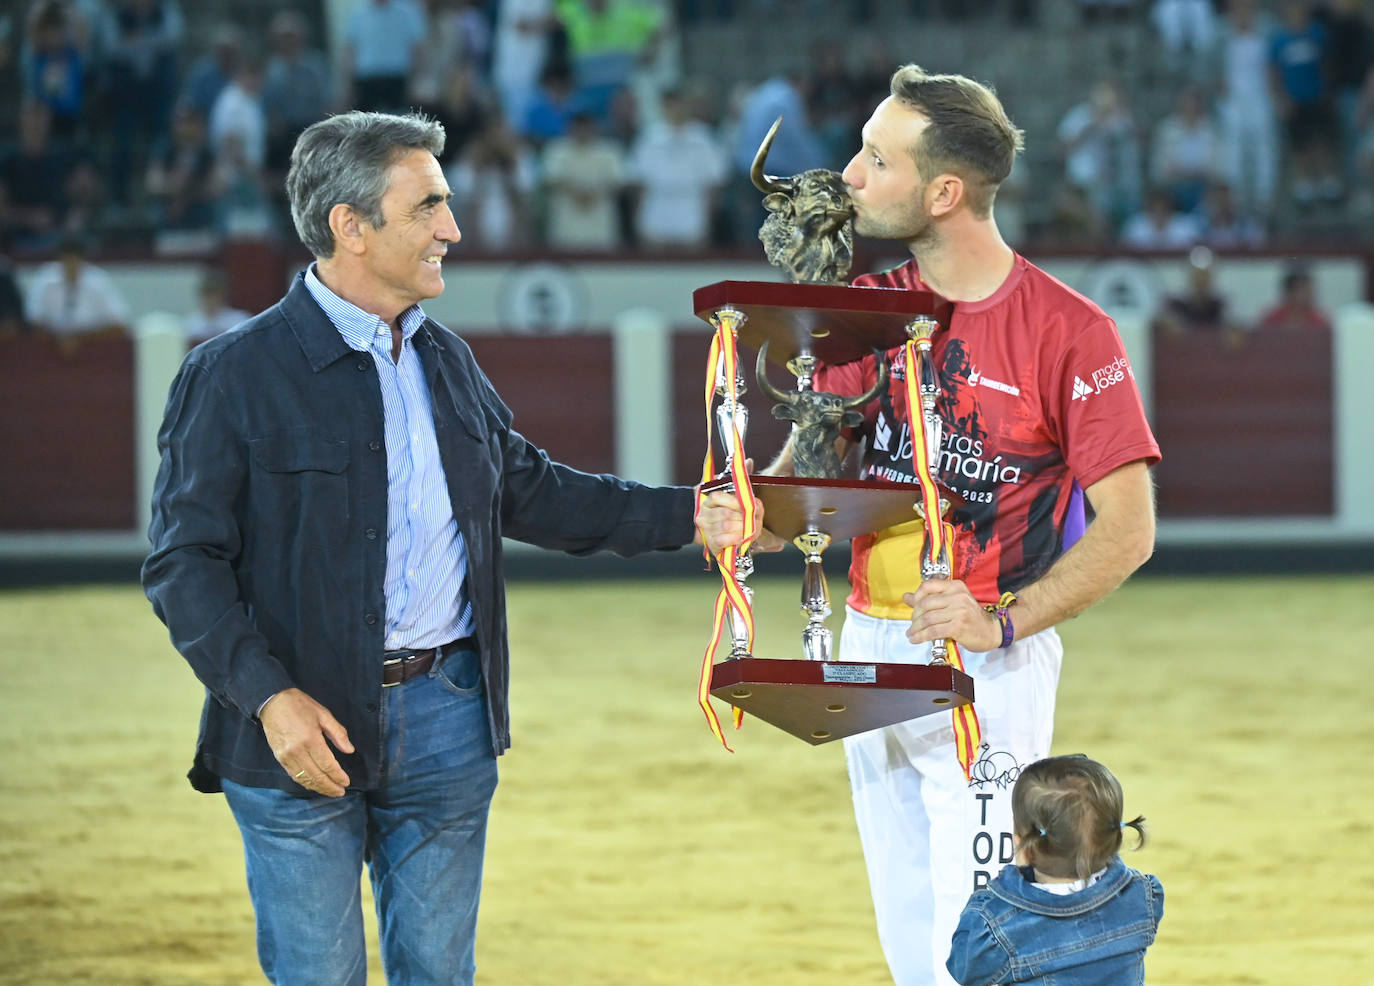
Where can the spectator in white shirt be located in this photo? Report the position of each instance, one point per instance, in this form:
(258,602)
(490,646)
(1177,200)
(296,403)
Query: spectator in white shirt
(1249,119)
(1160,226)
(520,49)
(583,175)
(238,114)
(678,169)
(492,183)
(1188,29)
(1187,154)
(213,313)
(1102,151)
(71,297)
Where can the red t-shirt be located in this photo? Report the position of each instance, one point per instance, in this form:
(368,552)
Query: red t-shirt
(1038,402)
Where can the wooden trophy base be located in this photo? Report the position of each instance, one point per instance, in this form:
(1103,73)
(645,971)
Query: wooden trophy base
(842,509)
(833,322)
(820,701)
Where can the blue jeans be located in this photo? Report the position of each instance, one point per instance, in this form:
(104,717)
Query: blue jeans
(422,832)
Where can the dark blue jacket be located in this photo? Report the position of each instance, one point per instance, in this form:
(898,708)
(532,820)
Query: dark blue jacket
(270,515)
(1013,932)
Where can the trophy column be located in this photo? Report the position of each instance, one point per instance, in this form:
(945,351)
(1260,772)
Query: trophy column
(732,422)
(817,640)
(933,565)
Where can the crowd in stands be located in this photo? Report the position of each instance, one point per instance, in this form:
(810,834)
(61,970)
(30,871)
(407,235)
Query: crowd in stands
(1272,126)
(573,125)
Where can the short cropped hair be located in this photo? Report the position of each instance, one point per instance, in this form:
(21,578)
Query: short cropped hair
(1295,277)
(1067,815)
(969,135)
(345,159)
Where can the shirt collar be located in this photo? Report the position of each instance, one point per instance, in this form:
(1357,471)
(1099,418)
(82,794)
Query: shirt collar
(358,327)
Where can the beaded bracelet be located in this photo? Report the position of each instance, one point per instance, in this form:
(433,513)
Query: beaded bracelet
(1000,609)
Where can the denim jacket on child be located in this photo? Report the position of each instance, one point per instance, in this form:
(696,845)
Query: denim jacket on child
(1014,932)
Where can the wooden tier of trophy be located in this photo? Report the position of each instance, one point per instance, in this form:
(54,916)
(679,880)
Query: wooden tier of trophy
(796,326)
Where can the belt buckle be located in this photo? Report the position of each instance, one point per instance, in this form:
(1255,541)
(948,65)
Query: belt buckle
(388,663)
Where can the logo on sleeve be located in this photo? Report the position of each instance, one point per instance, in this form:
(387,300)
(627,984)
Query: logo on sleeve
(1108,376)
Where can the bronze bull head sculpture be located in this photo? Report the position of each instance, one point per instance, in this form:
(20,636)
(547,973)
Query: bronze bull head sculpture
(809,232)
(817,418)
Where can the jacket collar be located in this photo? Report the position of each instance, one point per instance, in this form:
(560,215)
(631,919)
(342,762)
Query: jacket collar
(1012,886)
(317,336)
(320,339)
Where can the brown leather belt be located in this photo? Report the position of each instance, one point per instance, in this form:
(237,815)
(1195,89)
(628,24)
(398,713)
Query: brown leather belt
(402,665)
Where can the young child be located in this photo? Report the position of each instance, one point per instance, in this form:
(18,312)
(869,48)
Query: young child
(1068,912)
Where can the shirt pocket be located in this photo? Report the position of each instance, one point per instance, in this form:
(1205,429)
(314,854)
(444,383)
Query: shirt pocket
(299,487)
(299,451)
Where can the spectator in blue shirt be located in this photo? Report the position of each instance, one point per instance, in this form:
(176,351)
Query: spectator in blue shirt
(552,108)
(795,149)
(141,40)
(213,70)
(55,73)
(297,89)
(1297,56)
(383,46)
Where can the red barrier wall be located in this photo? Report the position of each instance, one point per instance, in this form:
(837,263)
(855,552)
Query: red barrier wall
(67,431)
(560,390)
(1245,426)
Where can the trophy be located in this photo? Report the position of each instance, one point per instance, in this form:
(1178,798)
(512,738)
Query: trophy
(818,319)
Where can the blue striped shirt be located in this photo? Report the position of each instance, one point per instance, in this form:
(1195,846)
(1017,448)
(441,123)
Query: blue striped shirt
(426,557)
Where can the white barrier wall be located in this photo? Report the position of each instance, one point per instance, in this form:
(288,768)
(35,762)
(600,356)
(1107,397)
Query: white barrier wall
(484,296)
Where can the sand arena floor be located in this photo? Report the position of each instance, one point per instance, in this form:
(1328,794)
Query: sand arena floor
(626,848)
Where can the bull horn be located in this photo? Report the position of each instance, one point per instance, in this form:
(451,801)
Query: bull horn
(767,183)
(878,385)
(765,385)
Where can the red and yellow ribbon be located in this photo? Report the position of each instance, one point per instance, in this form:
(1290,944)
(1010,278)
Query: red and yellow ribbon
(939,540)
(731,596)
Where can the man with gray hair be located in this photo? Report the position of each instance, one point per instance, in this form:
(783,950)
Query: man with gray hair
(337,475)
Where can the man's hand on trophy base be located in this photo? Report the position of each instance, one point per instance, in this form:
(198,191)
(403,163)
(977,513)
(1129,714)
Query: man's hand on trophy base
(720,523)
(945,609)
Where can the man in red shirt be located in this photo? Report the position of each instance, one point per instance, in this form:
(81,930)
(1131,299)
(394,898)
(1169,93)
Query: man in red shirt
(1040,412)
(1297,307)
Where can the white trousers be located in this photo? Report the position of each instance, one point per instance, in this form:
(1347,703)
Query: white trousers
(930,838)
(1250,152)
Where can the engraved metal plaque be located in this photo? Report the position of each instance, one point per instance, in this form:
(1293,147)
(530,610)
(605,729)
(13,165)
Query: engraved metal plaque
(852,674)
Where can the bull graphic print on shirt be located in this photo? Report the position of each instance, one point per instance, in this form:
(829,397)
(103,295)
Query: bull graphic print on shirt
(971,464)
